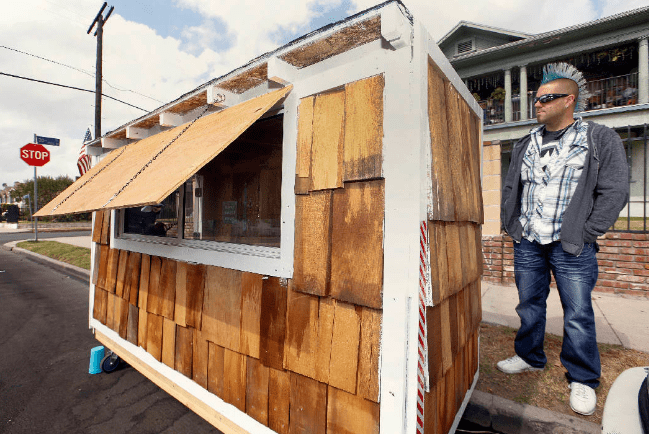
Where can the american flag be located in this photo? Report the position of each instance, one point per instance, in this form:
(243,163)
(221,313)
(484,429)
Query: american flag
(83,163)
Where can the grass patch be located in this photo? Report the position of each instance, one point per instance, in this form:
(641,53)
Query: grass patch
(548,388)
(79,256)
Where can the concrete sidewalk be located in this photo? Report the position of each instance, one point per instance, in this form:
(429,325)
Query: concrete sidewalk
(619,319)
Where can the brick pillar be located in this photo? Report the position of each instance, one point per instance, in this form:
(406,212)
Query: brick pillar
(491,187)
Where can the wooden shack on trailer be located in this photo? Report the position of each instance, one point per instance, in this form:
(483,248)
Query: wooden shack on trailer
(295,247)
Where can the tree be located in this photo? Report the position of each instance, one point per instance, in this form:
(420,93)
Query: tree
(48,189)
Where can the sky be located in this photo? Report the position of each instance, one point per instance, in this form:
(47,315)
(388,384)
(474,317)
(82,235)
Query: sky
(155,51)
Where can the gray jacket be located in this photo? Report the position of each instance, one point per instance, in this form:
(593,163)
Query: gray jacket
(600,195)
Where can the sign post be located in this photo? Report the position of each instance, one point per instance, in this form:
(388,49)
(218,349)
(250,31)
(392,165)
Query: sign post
(35,155)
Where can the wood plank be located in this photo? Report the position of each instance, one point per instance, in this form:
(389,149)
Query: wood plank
(445,331)
(368,354)
(104,253)
(215,370)
(455,151)
(450,407)
(110,311)
(439,257)
(363,149)
(279,388)
(454,254)
(154,335)
(430,411)
(477,232)
(142,328)
(357,243)
(308,411)
(348,413)
(105,229)
(133,270)
(435,343)
(325,336)
(441,405)
(95,250)
(312,255)
(328,141)
(168,342)
(442,206)
(131,329)
(195,284)
(435,277)
(301,333)
(162,287)
(180,309)
(453,325)
(472,162)
(184,350)
(200,357)
(476,129)
(343,367)
(200,407)
(235,374)
(461,317)
(97,225)
(145,270)
(168,288)
(99,307)
(121,316)
(273,323)
(257,391)
(111,271)
(304,140)
(121,272)
(153,293)
(476,304)
(250,314)
(221,322)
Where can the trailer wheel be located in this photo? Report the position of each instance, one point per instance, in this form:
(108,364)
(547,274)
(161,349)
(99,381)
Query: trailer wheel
(110,363)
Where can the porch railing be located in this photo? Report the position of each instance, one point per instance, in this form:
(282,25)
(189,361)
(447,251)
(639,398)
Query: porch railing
(605,93)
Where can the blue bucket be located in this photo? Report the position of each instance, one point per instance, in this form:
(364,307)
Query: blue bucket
(96,356)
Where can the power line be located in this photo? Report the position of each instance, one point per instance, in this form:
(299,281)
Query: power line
(71,87)
(83,71)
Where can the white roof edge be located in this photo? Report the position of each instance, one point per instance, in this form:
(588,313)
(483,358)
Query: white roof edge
(484,27)
(552,33)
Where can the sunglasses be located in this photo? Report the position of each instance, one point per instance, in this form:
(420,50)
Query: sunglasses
(549,97)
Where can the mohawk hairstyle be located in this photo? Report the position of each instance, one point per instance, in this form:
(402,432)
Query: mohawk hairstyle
(555,71)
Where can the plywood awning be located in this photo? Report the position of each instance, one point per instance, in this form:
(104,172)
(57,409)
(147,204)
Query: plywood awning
(131,176)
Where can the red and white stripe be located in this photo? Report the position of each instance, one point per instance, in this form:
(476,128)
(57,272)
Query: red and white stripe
(422,365)
(84,161)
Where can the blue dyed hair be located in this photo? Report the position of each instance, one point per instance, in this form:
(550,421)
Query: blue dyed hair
(555,71)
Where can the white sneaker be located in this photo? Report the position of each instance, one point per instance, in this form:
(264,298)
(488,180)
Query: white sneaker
(515,365)
(582,399)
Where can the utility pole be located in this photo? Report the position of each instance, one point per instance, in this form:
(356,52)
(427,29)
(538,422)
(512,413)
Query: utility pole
(100,21)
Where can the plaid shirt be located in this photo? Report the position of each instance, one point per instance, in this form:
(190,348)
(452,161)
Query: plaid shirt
(547,193)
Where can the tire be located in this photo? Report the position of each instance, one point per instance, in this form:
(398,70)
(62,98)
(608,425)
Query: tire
(110,363)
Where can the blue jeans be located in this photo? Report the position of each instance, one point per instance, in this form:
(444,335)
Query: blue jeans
(575,277)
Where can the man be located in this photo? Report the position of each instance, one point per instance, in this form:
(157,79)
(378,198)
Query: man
(567,182)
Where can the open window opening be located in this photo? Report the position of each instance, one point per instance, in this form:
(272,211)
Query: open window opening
(235,198)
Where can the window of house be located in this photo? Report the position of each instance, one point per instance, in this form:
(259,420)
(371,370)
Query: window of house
(235,198)
(465,47)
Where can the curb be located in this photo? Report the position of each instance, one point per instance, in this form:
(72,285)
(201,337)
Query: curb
(71,270)
(509,417)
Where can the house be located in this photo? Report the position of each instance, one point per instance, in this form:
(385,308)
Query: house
(294,246)
(503,70)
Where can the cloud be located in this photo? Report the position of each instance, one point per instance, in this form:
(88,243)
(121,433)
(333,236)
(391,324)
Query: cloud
(220,36)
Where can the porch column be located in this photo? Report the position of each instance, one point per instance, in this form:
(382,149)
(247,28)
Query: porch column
(508,95)
(523,96)
(643,70)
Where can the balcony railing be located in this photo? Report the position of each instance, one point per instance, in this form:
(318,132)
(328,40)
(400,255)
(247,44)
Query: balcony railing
(605,93)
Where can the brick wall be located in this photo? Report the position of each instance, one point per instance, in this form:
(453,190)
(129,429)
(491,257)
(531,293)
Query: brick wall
(623,262)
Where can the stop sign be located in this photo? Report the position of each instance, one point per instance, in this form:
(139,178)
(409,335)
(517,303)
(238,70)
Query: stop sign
(35,155)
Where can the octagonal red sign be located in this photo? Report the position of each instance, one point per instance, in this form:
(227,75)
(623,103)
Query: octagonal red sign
(35,155)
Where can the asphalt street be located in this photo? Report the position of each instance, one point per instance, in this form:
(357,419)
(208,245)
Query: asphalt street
(44,355)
